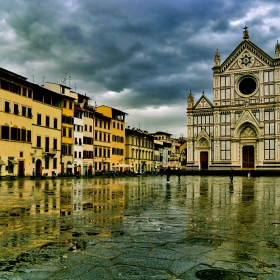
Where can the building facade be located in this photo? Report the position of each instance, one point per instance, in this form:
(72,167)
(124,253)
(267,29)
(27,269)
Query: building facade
(241,127)
(139,150)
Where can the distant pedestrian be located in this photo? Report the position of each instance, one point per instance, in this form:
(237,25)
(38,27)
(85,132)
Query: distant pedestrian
(179,174)
(231,174)
(249,173)
(168,173)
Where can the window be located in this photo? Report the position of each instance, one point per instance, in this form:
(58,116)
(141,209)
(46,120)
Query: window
(47,162)
(96,122)
(225,130)
(47,121)
(80,154)
(38,143)
(55,144)
(28,135)
(29,113)
(225,118)
(23,135)
(269,115)
(225,150)
(269,128)
(85,127)
(70,150)
(5,132)
(64,103)
(23,111)
(70,105)
(269,149)
(70,133)
(39,119)
(64,131)
(24,91)
(75,154)
(47,144)
(7,107)
(54,163)
(30,93)
(15,134)
(90,128)
(21,154)
(16,111)
(225,93)
(55,122)
(225,81)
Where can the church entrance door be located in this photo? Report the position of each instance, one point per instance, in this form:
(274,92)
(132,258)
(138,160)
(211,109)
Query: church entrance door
(204,160)
(248,157)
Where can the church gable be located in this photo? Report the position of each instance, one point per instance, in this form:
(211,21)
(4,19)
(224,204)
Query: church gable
(247,56)
(203,102)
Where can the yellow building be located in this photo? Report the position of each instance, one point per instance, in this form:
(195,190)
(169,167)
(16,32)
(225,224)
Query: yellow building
(16,124)
(46,132)
(67,127)
(102,142)
(117,127)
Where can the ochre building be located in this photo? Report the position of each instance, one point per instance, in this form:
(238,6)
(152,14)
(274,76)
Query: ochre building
(240,128)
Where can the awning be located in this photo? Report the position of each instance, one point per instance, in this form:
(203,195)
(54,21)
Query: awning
(12,161)
(2,162)
(69,166)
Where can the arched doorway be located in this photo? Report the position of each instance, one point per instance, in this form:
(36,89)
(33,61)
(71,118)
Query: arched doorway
(248,141)
(38,167)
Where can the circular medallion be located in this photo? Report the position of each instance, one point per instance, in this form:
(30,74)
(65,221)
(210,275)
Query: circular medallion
(246,60)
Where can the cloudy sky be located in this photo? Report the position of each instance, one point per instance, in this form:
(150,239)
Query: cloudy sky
(140,56)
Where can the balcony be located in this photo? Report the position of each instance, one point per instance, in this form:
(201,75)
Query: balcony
(48,152)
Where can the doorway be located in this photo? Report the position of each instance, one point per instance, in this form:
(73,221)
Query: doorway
(248,157)
(21,168)
(38,167)
(204,160)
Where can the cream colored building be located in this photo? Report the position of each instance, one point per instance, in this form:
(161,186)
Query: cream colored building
(67,126)
(139,150)
(241,127)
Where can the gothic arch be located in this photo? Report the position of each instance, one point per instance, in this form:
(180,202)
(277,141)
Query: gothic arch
(247,130)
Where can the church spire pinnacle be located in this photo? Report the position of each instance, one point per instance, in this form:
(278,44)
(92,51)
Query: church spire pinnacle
(277,50)
(217,59)
(245,32)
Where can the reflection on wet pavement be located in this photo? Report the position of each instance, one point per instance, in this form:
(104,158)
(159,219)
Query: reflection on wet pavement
(140,228)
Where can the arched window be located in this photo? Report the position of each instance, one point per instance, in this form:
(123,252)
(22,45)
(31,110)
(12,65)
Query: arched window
(15,133)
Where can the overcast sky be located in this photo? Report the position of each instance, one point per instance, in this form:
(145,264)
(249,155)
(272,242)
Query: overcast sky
(139,56)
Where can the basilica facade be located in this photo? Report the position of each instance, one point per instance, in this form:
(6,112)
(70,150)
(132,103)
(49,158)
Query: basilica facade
(240,128)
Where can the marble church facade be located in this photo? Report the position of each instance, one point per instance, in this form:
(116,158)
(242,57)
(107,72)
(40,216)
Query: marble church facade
(240,128)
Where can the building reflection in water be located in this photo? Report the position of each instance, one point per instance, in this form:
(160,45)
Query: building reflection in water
(61,211)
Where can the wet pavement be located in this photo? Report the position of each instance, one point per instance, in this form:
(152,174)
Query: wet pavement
(140,228)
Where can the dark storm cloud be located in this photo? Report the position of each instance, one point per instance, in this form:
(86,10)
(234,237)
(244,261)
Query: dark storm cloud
(156,50)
